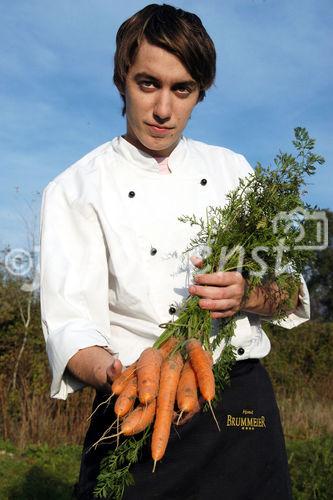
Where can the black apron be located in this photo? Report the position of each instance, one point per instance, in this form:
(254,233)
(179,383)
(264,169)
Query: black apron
(246,460)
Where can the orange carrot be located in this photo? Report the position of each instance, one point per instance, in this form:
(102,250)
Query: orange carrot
(187,391)
(209,357)
(170,373)
(127,397)
(148,371)
(202,365)
(168,346)
(138,419)
(120,382)
(203,368)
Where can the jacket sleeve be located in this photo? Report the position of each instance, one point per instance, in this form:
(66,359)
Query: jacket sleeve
(74,284)
(301,313)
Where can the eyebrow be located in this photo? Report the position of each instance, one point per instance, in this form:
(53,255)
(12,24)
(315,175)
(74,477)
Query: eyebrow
(147,76)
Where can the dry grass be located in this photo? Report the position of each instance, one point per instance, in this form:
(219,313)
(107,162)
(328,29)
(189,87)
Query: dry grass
(306,412)
(306,417)
(29,416)
(35,418)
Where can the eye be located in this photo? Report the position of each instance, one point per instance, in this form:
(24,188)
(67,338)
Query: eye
(146,85)
(183,91)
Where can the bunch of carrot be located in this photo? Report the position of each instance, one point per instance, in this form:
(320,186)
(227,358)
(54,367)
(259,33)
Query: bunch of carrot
(159,379)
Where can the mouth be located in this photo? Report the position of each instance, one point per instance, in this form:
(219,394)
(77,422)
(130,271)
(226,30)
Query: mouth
(157,129)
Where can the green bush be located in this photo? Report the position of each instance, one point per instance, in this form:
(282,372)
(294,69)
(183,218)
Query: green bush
(311,468)
(301,358)
(41,472)
(38,472)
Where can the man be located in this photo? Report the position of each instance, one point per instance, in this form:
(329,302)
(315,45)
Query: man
(112,268)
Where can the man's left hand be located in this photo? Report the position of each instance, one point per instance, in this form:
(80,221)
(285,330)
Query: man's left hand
(222,293)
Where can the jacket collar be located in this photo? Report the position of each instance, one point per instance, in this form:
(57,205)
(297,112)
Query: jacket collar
(146,162)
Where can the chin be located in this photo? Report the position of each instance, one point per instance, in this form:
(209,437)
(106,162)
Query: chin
(160,143)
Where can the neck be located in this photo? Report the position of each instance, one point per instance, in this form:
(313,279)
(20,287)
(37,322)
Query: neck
(152,152)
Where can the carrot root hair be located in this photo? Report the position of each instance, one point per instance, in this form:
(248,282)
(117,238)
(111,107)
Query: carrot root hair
(214,416)
(111,436)
(105,434)
(106,402)
(179,417)
(118,435)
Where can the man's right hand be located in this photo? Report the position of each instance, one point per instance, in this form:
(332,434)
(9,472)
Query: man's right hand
(95,366)
(113,370)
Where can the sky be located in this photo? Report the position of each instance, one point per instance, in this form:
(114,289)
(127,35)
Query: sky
(58,102)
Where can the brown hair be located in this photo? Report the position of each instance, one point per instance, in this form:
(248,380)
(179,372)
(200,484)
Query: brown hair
(175,30)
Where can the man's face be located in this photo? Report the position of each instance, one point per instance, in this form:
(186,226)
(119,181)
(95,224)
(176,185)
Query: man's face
(160,95)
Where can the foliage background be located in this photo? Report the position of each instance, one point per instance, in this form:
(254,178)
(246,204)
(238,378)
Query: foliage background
(41,438)
(299,362)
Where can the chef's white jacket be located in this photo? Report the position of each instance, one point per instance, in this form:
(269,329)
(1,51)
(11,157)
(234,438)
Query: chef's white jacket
(112,250)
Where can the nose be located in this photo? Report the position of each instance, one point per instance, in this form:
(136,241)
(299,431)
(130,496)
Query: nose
(162,108)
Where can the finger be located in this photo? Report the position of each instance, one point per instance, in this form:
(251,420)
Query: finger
(187,416)
(224,314)
(217,292)
(114,370)
(196,261)
(184,419)
(218,305)
(220,278)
